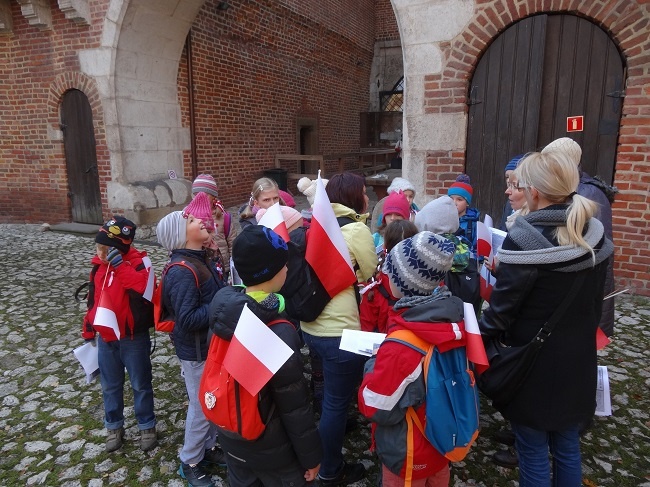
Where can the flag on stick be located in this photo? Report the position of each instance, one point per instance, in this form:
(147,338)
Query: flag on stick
(487,282)
(148,292)
(483,240)
(602,340)
(274,220)
(475,348)
(105,316)
(255,352)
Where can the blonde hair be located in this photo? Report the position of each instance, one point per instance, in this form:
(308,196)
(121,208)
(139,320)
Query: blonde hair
(262,184)
(555,176)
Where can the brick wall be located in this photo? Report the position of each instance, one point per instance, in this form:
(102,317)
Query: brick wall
(628,22)
(385,21)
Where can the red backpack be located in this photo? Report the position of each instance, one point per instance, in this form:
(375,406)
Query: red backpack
(224,401)
(163,320)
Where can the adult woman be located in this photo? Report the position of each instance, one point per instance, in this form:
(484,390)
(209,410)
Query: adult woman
(541,258)
(516,198)
(342,370)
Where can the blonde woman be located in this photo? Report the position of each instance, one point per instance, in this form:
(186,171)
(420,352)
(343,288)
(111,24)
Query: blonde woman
(544,253)
(265,193)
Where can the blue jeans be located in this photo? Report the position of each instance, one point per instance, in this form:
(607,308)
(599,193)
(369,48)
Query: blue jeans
(342,373)
(534,467)
(114,357)
(200,434)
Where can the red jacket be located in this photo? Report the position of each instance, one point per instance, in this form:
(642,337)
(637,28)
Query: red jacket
(124,286)
(373,312)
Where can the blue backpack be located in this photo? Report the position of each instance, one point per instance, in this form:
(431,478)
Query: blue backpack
(452,402)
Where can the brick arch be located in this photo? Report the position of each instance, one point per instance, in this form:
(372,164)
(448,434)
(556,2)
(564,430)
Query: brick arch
(74,81)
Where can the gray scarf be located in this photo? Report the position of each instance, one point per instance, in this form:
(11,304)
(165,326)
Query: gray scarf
(537,250)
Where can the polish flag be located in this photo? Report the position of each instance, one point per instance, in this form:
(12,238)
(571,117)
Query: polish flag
(475,348)
(255,353)
(487,281)
(148,292)
(274,220)
(326,251)
(483,240)
(105,316)
(602,340)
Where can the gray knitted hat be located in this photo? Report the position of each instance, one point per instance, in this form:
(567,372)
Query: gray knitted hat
(438,216)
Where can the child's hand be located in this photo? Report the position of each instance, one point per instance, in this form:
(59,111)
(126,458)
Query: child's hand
(114,257)
(310,475)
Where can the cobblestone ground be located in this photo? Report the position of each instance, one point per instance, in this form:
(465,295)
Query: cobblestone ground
(51,420)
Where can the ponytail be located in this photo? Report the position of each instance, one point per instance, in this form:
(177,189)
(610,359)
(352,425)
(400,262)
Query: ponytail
(578,214)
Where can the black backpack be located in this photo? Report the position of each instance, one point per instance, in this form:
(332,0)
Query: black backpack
(305,296)
(466,285)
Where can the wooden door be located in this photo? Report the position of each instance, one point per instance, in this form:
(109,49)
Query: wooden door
(81,158)
(537,73)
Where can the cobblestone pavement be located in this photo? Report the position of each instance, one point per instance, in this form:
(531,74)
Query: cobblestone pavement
(51,420)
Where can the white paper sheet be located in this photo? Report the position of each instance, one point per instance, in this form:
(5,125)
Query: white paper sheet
(603,399)
(498,236)
(361,342)
(87,355)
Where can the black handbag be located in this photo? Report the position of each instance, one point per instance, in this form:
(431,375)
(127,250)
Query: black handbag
(510,365)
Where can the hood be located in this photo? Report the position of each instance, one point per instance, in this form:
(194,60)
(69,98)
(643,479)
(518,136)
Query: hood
(226,307)
(471,214)
(342,210)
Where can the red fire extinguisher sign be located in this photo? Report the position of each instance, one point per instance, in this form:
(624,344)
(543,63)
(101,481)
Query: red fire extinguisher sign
(575,124)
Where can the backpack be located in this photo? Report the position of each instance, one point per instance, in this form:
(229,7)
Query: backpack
(452,402)
(466,285)
(225,402)
(163,320)
(305,296)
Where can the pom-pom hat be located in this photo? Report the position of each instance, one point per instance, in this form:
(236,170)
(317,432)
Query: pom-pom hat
(117,232)
(462,188)
(204,183)
(201,208)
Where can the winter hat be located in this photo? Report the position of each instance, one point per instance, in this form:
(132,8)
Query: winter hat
(117,232)
(400,184)
(396,203)
(259,254)
(172,231)
(204,183)
(569,146)
(514,162)
(201,208)
(416,265)
(462,188)
(308,187)
(287,198)
(438,216)
(289,215)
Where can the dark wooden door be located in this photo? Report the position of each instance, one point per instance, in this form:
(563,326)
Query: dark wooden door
(81,158)
(532,77)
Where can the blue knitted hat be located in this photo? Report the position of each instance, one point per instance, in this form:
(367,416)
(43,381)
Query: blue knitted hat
(514,162)
(462,188)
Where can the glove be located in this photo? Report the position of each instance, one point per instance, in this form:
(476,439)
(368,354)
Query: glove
(114,258)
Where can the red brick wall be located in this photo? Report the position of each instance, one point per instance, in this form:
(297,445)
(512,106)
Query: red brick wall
(385,21)
(628,22)
(257,67)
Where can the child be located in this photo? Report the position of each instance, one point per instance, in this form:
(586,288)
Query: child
(461,192)
(405,186)
(292,218)
(373,311)
(184,238)
(119,272)
(396,207)
(308,187)
(393,380)
(289,450)
(264,194)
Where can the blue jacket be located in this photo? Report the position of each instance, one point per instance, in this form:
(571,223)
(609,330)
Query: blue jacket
(467,227)
(190,304)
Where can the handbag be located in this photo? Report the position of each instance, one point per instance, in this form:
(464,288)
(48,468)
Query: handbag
(510,366)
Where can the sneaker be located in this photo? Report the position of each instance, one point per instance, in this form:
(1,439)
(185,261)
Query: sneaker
(507,437)
(506,458)
(115,440)
(214,457)
(148,439)
(195,475)
(349,474)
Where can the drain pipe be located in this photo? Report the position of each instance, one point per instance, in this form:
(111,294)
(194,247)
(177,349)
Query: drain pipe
(190,91)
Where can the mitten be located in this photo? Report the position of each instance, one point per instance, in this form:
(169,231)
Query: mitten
(114,258)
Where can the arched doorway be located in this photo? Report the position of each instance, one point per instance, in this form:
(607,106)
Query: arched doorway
(81,158)
(534,75)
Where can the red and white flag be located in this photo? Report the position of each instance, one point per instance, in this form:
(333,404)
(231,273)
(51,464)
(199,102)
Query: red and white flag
(483,240)
(602,340)
(255,353)
(274,220)
(105,317)
(326,251)
(148,292)
(486,283)
(475,348)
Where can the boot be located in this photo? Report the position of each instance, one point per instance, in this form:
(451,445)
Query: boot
(148,439)
(115,439)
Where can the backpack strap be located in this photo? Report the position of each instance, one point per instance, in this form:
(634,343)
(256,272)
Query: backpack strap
(389,298)
(281,320)
(409,339)
(226,224)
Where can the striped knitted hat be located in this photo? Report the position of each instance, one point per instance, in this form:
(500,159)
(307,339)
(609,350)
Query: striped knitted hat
(204,183)
(462,188)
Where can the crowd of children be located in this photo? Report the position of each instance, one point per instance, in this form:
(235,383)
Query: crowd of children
(410,270)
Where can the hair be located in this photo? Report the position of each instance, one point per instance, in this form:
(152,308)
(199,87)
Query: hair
(262,184)
(347,189)
(556,177)
(397,231)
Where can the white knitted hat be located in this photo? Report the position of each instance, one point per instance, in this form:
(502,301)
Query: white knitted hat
(172,231)
(400,184)
(566,145)
(308,187)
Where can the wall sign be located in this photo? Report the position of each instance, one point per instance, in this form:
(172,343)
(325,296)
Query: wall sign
(575,124)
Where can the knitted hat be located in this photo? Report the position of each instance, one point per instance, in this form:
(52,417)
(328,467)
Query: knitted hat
(462,188)
(416,265)
(569,146)
(258,254)
(172,231)
(291,216)
(400,184)
(438,216)
(204,183)
(396,203)
(117,232)
(514,162)
(287,198)
(201,208)
(308,187)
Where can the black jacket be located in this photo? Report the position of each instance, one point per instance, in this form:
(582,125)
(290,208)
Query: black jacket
(190,304)
(290,432)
